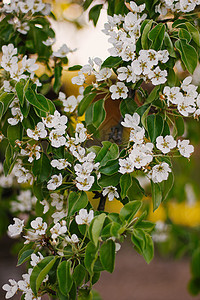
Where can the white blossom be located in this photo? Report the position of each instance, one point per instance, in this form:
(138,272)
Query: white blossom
(39,226)
(184,148)
(111,191)
(10,289)
(15,229)
(119,90)
(160,172)
(165,144)
(38,132)
(84,217)
(54,182)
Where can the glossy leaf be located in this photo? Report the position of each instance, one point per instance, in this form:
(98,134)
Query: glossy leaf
(188,54)
(96,227)
(40,271)
(64,276)
(107,255)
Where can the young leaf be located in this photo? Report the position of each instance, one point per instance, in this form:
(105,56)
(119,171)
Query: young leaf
(40,271)
(96,227)
(129,210)
(125,183)
(79,274)
(188,54)
(156,35)
(24,256)
(85,102)
(111,62)
(91,254)
(76,201)
(64,276)
(94,13)
(107,255)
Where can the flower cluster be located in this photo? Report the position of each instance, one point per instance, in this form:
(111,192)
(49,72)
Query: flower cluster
(175,6)
(185,98)
(26,7)
(142,153)
(11,64)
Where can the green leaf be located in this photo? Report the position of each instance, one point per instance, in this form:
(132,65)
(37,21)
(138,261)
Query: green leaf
(154,95)
(91,254)
(19,87)
(125,183)
(113,180)
(154,126)
(179,127)
(169,45)
(128,106)
(111,62)
(135,191)
(184,34)
(99,113)
(194,32)
(24,256)
(107,255)
(195,263)
(64,276)
(6,99)
(110,168)
(14,133)
(57,82)
(156,195)
(1,109)
(39,101)
(41,168)
(75,68)
(143,243)
(96,227)
(95,115)
(40,271)
(79,275)
(144,38)
(149,249)
(129,210)
(85,102)
(76,201)
(156,35)
(194,286)
(108,152)
(94,13)
(188,55)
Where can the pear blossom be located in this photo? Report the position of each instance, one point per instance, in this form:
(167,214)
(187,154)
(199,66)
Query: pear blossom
(111,191)
(73,240)
(62,51)
(84,184)
(57,200)
(57,230)
(160,172)
(70,104)
(157,76)
(39,226)
(38,132)
(60,164)
(184,148)
(15,229)
(36,258)
(119,90)
(84,217)
(126,165)
(165,144)
(10,289)
(54,182)
(31,151)
(56,137)
(131,121)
